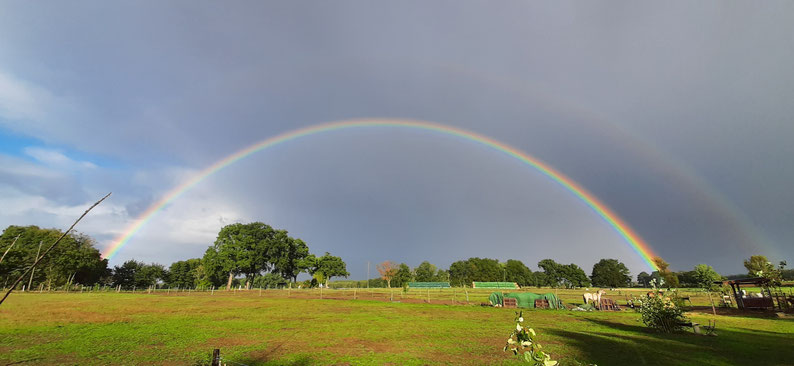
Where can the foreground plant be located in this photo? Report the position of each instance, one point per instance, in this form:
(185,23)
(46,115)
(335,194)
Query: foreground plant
(661,311)
(522,343)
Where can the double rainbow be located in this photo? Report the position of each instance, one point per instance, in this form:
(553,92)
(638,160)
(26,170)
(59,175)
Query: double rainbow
(634,240)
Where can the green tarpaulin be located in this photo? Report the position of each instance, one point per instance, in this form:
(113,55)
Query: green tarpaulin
(428,284)
(524,299)
(510,285)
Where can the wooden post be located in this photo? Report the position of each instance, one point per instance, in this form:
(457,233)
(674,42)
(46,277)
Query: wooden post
(216,357)
(32,270)
(467,296)
(212,292)
(260,291)
(9,248)
(354,293)
(713,310)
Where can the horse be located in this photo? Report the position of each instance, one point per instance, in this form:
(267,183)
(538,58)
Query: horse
(595,297)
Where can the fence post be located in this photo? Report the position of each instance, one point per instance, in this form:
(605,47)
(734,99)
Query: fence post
(467,296)
(216,357)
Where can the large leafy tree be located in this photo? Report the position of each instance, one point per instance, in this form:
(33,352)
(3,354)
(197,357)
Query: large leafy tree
(241,249)
(124,275)
(553,270)
(184,274)
(574,276)
(135,274)
(705,276)
(758,264)
(644,279)
(288,255)
(519,273)
(403,276)
(610,273)
(425,272)
(327,267)
(462,273)
(75,260)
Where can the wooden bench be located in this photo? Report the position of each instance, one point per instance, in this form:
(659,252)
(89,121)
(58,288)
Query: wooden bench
(510,303)
(541,304)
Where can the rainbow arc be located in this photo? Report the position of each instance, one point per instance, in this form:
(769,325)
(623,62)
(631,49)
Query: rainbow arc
(619,225)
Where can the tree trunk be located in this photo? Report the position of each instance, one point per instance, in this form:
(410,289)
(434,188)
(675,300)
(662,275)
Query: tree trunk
(229,283)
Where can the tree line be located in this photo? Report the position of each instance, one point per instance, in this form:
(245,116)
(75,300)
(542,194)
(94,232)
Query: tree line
(257,255)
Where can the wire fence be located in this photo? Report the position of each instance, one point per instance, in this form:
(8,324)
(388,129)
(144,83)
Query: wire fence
(449,296)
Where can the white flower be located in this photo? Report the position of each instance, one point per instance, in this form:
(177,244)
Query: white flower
(511,341)
(532,331)
(520,320)
(526,343)
(518,327)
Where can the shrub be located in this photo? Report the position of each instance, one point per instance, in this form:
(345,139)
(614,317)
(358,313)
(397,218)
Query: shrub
(661,311)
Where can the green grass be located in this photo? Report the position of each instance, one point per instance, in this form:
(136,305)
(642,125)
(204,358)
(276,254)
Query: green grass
(254,329)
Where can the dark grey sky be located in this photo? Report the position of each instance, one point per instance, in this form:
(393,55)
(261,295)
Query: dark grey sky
(676,115)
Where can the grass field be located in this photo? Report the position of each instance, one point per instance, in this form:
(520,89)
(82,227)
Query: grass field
(297,328)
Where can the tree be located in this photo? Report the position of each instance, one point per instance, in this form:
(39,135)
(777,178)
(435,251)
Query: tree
(610,273)
(403,276)
(553,272)
(516,271)
(184,274)
(124,275)
(644,279)
(287,255)
(149,275)
(670,279)
(74,260)
(425,272)
(133,274)
(387,270)
(241,249)
(705,276)
(757,265)
(329,266)
(574,276)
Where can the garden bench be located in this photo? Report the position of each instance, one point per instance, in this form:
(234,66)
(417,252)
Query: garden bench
(699,329)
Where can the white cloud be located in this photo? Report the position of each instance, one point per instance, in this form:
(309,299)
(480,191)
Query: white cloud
(20,100)
(57,159)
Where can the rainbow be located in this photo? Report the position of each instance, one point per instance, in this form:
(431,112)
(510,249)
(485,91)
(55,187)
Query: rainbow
(622,228)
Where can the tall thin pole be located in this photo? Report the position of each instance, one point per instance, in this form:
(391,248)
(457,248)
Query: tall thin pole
(367,274)
(9,248)
(30,281)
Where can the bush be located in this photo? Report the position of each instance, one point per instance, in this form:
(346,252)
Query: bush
(661,311)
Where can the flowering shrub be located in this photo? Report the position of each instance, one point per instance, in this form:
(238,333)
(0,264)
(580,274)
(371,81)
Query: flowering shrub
(522,343)
(661,311)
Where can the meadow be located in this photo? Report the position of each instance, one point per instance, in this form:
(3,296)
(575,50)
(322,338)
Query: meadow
(296,327)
